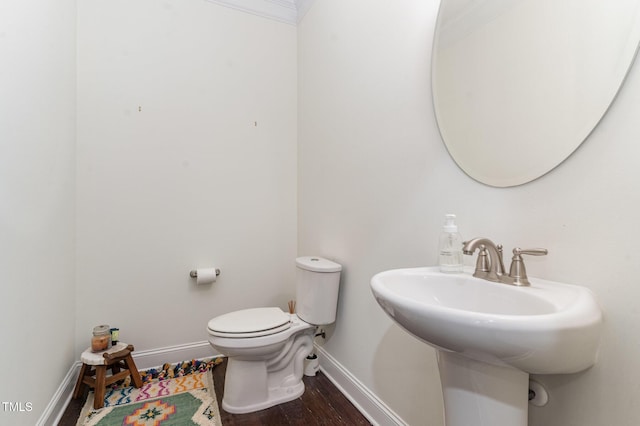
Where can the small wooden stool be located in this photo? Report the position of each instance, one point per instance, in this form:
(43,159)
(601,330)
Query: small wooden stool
(94,371)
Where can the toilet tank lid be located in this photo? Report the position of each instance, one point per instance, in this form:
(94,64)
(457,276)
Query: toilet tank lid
(317,264)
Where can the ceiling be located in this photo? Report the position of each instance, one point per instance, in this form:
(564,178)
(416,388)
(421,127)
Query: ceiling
(288,11)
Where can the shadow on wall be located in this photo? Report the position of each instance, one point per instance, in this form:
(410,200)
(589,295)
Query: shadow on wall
(406,377)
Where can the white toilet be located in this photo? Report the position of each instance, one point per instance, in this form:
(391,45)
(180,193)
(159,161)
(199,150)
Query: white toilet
(266,347)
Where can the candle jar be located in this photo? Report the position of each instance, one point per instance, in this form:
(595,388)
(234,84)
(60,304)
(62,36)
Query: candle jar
(100,339)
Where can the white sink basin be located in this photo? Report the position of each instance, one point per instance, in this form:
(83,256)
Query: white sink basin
(547,328)
(485,328)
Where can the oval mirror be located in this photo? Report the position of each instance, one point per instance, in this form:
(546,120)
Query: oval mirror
(518,85)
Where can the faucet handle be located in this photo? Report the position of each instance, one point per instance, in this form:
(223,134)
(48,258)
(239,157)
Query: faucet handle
(517,272)
(532,252)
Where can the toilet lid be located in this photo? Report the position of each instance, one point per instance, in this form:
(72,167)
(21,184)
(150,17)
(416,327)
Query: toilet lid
(254,322)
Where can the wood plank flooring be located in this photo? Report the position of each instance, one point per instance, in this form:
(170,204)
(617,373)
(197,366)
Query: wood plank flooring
(321,404)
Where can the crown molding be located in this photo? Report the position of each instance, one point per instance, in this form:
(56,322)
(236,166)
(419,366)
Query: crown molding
(303,7)
(287,11)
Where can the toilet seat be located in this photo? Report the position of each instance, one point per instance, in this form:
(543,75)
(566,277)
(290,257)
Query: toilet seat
(246,323)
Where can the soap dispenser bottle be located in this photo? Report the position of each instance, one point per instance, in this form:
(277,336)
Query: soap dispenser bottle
(450,249)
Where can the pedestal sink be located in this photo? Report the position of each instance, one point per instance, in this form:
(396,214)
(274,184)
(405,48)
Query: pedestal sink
(491,336)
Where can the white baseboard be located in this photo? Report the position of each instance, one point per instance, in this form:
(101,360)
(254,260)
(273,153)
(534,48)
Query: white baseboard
(360,396)
(143,359)
(156,357)
(54,410)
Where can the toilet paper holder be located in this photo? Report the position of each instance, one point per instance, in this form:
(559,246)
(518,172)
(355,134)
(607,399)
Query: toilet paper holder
(194,273)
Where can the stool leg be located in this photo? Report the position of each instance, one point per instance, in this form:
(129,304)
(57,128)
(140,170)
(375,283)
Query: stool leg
(79,383)
(133,370)
(101,373)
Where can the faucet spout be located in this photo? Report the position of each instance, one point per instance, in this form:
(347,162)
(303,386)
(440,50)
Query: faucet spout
(494,253)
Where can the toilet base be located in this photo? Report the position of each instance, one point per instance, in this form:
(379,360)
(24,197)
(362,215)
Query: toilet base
(275,397)
(255,384)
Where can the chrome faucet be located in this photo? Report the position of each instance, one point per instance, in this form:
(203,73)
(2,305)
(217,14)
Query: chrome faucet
(490,265)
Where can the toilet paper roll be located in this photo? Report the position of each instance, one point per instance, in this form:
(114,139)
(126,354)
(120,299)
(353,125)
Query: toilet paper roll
(206,276)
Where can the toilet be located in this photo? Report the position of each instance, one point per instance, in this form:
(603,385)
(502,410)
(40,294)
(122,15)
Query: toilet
(266,347)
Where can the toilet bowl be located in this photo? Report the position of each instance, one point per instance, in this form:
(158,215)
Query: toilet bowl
(265,369)
(266,347)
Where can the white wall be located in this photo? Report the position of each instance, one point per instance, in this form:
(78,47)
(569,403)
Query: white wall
(375,181)
(37,138)
(186,158)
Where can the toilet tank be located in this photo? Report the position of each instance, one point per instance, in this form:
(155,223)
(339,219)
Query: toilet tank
(317,283)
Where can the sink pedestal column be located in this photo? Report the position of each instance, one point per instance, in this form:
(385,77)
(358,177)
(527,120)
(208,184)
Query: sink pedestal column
(481,394)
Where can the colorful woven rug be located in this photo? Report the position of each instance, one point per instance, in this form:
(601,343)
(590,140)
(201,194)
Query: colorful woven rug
(184,400)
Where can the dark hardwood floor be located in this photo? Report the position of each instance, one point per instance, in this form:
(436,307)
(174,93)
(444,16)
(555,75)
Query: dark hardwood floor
(321,404)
